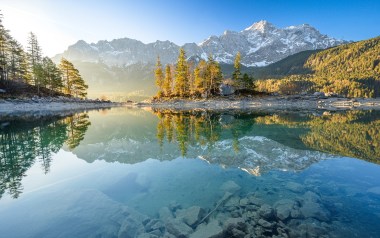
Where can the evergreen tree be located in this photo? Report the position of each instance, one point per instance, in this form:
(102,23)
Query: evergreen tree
(35,57)
(159,77)
(4,37)
(213,76)
(73,84)
(199,77)
(52,76)
(236,74)
(167,87)
(181,77)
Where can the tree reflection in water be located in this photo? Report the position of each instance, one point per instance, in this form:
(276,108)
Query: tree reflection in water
(349,133)
(26,140)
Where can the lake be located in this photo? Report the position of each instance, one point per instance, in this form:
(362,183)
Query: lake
(128,172)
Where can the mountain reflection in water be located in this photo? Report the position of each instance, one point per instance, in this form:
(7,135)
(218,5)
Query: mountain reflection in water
(122,172)
(255,142)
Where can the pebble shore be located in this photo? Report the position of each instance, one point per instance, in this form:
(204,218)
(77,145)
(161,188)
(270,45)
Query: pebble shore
(305,102)
(51,105)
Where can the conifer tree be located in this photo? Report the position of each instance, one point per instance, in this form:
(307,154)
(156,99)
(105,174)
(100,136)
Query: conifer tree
(73,84)
(35,57)
(213,75)
(159,77)
(4,37)
(181,75)
(52,76)
(199,77)
(167,87)
(236,74)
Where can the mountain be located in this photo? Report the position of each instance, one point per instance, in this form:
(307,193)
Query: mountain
(351,70)
(260,44)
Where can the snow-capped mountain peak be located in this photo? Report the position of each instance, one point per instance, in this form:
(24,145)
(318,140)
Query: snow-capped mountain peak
(261,26)
(260,44)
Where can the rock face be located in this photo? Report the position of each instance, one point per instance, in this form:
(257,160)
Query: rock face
(260,44)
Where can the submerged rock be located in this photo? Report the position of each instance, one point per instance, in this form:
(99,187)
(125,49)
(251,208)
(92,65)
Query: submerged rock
(211,230)
(266,211)
(165,214)
(192,216)
(294,187)
(265,224)
(230,186)
(311,209)
(284,208)
(178,228)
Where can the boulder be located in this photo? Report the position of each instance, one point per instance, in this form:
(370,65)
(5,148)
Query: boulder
(226,89)
(165,214)
(284,208)
(178,228)
(311,209)
(266,211)
(311,197)
(230,186)
(319,94)
(211,230)
(192,216)
(129,229)
(155,224)
(231,223)
(265,224)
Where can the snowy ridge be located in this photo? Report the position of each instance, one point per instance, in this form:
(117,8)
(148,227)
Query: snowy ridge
(260,44)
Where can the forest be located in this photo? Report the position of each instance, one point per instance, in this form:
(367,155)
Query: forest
(28,70)
(350,70)
(187,79)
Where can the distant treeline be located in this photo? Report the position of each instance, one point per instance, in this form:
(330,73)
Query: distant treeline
(30,67)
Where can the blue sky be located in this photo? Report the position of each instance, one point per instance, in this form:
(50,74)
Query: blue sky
(59,24)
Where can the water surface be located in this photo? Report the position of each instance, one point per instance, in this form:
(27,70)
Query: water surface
(133,172)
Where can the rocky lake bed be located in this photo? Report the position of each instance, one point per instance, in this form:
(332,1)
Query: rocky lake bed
(304,213)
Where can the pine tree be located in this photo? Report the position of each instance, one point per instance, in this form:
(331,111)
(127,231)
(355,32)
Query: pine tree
(181,76)
(213,76)
(52,76)
(167,87)
(236,74)
(4,38)
(199,77)
(73,84)
(35,57)
(159,77)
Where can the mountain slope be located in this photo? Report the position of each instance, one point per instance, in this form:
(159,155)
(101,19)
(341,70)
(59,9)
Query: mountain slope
(351,70)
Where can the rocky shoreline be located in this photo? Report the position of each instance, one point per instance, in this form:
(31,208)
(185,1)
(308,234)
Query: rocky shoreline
(298,102)
(51,105)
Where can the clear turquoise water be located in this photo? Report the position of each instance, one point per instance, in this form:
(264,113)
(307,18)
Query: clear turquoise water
(72,176)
